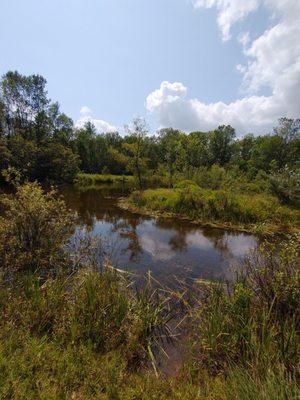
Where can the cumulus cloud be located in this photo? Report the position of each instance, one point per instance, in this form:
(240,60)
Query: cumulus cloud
(272,61)
(100,125)
(229,12)
(254,113)
(85,110)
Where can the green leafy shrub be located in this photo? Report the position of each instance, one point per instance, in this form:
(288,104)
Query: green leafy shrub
(286,185)
(34,229)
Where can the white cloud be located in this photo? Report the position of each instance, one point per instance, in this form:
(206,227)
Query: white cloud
(229,11)
(272,61)
(85,110)
(254,113)
(244,39)
(100,125)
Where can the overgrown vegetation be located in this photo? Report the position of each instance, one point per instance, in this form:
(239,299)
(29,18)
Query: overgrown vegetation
(83,331)
(98,179)
(255,212)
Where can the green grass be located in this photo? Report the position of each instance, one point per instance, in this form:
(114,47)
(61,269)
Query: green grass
(94,179)
(255,212)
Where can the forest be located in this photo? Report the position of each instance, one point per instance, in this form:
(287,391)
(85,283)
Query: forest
(38,139)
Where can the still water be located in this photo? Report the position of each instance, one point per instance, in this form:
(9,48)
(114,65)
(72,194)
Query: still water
(168,247)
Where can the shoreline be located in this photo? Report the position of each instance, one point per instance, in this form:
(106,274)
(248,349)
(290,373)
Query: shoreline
(271,230)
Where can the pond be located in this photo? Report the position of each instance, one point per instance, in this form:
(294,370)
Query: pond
(169,248)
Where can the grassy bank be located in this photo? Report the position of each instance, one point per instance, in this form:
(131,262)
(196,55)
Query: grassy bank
(251,212)
(98,179)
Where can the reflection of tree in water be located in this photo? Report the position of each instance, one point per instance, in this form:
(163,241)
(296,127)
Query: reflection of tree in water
(178,241)
(93,205)
(127,229)
(219,240)
(185,257)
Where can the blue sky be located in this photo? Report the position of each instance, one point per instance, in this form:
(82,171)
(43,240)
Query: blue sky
(111,57)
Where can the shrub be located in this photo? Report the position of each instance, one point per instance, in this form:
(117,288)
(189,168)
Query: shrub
(286,185)
(34,230)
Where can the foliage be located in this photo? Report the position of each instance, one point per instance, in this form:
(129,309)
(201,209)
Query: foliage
(34,229)
(42,142)
(137,163)
(259,212)
(94,179)
(285,184)
(255,321)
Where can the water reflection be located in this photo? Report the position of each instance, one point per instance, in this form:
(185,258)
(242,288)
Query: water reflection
(167,247)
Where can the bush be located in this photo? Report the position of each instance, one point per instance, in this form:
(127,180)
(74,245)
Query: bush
(286,186)
(34,230)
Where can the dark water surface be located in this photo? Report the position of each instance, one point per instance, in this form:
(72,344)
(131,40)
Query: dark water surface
(167,247)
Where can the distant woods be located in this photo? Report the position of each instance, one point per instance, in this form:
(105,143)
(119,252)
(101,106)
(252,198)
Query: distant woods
(40,141)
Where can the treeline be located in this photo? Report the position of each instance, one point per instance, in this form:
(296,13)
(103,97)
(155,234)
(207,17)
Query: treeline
(39,140)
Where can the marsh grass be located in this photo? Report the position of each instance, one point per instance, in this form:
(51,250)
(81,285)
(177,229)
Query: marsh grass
(260,212)
(255,322)
(83,179)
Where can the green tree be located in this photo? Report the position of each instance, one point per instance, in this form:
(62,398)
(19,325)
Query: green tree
(221,144)
(25,101)
(172,150)
(138,162)
(57,163)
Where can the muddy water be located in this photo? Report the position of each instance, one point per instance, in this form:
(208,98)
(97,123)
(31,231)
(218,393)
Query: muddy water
(169,248)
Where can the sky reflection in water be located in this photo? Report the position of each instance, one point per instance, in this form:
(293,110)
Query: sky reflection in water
(167,247)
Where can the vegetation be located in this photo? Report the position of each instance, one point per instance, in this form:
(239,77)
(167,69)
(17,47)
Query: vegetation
(98,179)
(83,331)
(39,140)
(255,212)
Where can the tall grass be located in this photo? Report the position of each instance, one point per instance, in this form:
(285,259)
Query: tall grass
(83,179)
(259,212)
(254,322)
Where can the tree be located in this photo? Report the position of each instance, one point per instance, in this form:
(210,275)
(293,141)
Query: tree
(57,163)
(138,162)
(242,151)
(24,99)
(288,129)
(5,156)
(172,150)
(23,156)
(84,143)
(61,125)
(197,149)
(221,144)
